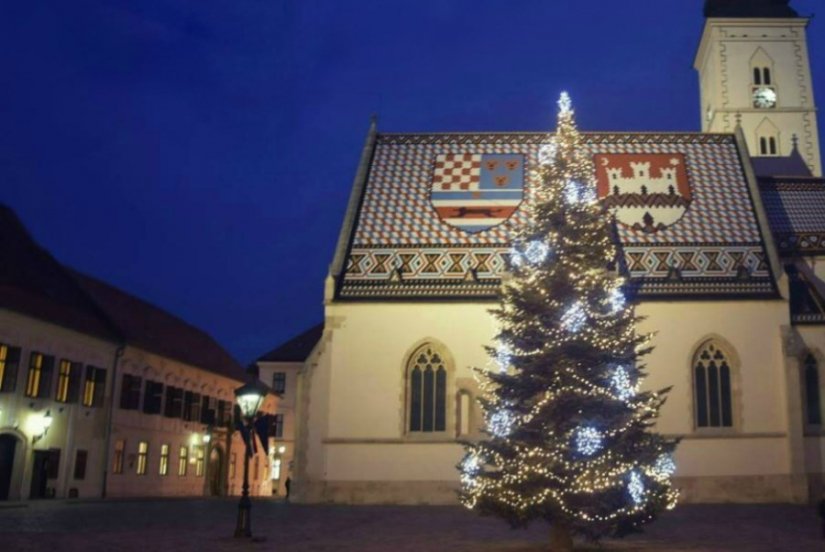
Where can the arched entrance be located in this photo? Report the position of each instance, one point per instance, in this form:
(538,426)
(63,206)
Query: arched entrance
(216,476)
(8,448)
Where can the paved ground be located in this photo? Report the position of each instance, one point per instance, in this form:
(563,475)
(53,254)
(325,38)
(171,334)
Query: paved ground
(160,525)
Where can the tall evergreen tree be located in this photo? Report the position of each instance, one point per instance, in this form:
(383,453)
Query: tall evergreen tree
(569,437)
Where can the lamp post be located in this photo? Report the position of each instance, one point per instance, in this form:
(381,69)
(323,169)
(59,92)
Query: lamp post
(249,398)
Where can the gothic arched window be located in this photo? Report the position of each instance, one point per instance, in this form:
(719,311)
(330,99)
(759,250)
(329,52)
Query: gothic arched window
(427,384)
(813,413)
(712,387)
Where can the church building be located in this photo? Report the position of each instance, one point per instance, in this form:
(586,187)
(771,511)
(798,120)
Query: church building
(723,238)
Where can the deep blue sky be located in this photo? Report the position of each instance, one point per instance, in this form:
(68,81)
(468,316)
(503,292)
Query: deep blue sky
(200,154)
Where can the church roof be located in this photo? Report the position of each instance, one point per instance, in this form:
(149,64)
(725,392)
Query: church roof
(423,226)
(749,8)
(296,349)
(796,210)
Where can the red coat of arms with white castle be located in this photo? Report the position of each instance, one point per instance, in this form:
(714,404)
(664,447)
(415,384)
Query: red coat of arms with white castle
(647,192)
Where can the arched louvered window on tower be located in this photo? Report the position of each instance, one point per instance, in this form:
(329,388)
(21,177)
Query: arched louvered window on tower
(713,398)
(427,390)
(813,409)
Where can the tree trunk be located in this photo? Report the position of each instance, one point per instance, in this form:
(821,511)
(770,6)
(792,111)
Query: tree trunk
(560,538)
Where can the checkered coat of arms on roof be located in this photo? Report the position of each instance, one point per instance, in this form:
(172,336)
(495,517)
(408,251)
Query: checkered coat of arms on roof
(645,192)
(475,192)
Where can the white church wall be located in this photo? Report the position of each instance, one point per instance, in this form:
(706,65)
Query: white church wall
(358,449)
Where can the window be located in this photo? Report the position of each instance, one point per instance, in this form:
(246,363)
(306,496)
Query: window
(232,461)
(9,362)
(277,427)
(813,412)
(117,458)
(427,382)
(80,464)
(68,381)
(94,386)
(152,397)
(174,402)
(191,406)
(142,457)
(163,469)
(255,469)
(208,410)
(279,382)
(39,381)
(130,392)
(464,407)
(712,387)
(224,413)
(183,460)
(762,75)
(199,460)
(275,469)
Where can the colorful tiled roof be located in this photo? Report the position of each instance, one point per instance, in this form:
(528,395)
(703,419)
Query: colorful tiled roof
(408,240)
(796,210)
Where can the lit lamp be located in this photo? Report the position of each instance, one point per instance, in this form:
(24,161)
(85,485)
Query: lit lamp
(45,424)
(249,398)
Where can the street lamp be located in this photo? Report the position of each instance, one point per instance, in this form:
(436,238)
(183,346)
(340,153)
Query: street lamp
(249,398)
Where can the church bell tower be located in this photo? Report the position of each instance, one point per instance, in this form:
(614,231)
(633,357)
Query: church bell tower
(754,71)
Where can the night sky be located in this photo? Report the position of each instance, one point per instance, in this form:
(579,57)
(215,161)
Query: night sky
(200,154)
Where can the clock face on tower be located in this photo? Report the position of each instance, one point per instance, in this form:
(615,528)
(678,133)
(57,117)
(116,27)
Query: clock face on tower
(764,98)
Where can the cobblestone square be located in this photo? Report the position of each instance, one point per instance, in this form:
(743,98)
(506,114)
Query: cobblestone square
(160,525)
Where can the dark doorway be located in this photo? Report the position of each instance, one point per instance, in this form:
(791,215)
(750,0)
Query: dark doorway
(40,474)
(8,445)
(216,472)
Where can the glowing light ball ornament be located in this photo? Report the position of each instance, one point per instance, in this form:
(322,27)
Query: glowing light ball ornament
(664,467)
(547,152)
(622,384)
(575,318)
(579,193)
(636,488)
(504,357)
(501,423)
(617,300)
(534,254)
(588,441)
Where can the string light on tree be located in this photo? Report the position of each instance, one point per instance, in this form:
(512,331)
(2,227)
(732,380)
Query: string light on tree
(569,435)
(589,441)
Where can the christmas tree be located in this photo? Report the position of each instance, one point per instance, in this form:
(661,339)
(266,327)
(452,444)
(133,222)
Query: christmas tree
(569,437)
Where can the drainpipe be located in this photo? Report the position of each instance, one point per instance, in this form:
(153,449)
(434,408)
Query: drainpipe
(109,420)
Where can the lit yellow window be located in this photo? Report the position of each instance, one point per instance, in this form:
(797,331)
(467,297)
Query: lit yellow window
(63,376)
(183,460)
(143,453)
(164,460)
(33,381)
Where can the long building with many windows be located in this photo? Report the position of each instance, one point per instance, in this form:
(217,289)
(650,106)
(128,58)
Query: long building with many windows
(103,394)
